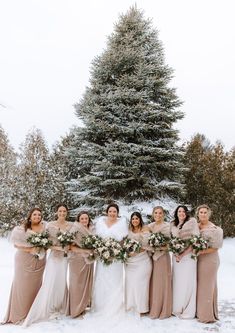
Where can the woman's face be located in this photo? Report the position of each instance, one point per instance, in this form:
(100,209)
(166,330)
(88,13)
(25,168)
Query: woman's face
(203,215)
(84,220)
(135,221)
(181,214)
(112,213)
(36,217)
(158,215)
(62,212)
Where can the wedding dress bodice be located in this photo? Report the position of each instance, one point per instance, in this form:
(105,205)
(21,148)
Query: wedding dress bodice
(117,231)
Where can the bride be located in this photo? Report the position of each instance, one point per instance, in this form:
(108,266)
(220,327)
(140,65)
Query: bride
(108,285)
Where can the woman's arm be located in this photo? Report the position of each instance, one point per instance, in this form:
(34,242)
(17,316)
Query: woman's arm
(77,249)
(184,253)
(210,250)
(32,250)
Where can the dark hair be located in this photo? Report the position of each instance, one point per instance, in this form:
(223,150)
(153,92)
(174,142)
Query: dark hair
(81,213)
(141,220)
(28,223)
(112,205)
(58,206)
(176,219)
(62,205)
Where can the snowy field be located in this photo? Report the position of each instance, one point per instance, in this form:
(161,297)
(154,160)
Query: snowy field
(129,323)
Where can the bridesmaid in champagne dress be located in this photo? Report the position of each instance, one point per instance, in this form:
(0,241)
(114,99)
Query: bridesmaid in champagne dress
(208,264)
(160,285)
(80,269)
(51,299)
(28,268)
(138,269)
(184,267)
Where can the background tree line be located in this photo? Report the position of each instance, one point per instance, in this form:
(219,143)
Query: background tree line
(128,148)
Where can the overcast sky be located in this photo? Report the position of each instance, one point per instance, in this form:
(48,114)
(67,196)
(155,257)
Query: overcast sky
(47,47)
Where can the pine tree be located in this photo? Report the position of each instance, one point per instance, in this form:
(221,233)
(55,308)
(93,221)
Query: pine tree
(210,179)
(9,202)
(128,147)
(196,155)
(39,183)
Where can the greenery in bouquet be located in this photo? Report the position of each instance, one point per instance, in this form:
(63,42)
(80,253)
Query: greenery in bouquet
(177,245)
(65,238)
(130,246)
(41,241)
(91,242)
(157,240)
(109,251)
(198,243)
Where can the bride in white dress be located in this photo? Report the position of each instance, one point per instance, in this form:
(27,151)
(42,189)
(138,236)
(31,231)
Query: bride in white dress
(108,294)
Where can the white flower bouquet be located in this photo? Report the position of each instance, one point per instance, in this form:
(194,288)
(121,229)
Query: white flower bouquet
(157,240)
(91,242)
(109,251)
(130,246)
(198,243)
(177,245)
(41,241)
(65,238)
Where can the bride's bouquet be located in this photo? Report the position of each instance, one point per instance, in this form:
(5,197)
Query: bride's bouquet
(177,245)
(198,243)
(130,246)
(109,251)
(65,238)
(157,240)
(41,241)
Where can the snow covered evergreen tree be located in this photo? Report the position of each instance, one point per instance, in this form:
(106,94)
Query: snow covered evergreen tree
(40,184)
(210,179)
(128,148)
(9,200)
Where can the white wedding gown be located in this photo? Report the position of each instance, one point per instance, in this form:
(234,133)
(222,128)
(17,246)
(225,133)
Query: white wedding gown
(108,292)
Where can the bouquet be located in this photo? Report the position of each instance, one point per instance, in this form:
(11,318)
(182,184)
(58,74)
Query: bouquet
(130,246)
(158,240)
(198,243)
(109,251)
(65,238)
(177,245)
(91,242)
(40,240)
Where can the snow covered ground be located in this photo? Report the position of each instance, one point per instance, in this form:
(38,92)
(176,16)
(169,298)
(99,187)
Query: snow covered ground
(128,323)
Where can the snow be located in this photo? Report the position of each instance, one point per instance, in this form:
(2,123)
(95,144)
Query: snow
(128,323)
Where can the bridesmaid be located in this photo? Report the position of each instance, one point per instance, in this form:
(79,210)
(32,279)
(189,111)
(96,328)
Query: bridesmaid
(51,299)
(160,283)
(28,269)
(138,269)
(80,269)
(184,267)
(208,264)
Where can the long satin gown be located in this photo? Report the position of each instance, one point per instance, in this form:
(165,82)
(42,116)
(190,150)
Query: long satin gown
(138,270)
(185,275)
(27,280)
(207,268)
(51,299)
(108,294)
(80,276)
